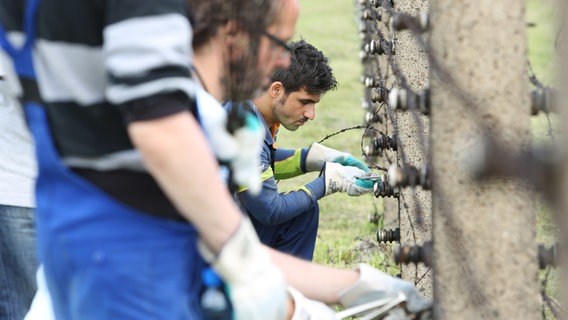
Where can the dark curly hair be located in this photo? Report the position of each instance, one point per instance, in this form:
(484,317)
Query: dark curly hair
(309,70)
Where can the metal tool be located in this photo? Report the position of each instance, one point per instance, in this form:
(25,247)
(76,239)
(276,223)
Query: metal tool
(374,309)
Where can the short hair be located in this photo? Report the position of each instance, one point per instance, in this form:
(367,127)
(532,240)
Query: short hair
(308,70)
(253,16)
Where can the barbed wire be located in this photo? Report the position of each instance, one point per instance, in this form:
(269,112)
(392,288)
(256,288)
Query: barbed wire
(341,131)
(393,74)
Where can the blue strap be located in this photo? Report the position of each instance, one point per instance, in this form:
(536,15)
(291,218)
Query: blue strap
(6,45)
(22,57)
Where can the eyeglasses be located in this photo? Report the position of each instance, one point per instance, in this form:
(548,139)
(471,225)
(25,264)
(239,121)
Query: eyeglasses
(279,43)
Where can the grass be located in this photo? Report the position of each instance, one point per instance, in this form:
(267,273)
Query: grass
(330,26)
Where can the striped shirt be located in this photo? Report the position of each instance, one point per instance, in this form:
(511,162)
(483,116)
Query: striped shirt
(98,60)
(101,64)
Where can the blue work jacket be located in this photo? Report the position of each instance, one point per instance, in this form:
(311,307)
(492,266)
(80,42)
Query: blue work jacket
(272,207)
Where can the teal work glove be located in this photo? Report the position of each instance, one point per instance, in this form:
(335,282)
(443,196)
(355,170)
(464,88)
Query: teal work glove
(318,154)
(350,180)
(374,285)
(256,287)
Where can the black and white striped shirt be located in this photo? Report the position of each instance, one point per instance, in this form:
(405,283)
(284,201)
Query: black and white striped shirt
(101,64)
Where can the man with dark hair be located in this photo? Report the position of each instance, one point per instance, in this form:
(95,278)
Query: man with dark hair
(288,221)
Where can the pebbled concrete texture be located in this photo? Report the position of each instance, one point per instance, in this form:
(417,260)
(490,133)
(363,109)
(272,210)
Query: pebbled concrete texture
(484,238)
(413,131)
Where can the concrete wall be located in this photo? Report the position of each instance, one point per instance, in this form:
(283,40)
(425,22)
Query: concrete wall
(413,130)
(484,238)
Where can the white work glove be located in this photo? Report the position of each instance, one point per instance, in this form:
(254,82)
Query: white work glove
(318,154)
(256,287)
(41,308)
(307,309)
(240,150)
(374,285)
(350,180)
(246,165)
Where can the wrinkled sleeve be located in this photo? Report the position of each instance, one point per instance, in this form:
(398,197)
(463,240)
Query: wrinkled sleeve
(289,163)
(147,64)
(271,207)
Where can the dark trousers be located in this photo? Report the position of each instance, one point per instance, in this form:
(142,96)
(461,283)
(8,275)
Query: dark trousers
(296,236)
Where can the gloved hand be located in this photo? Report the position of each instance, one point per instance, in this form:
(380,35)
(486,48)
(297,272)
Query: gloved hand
(246,164)
(319,154)
(346,179)
(307,309)
(256,287)
(240,150)
(41,308)
(374,285)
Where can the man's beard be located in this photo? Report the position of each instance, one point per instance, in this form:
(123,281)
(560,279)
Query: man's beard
(244,78)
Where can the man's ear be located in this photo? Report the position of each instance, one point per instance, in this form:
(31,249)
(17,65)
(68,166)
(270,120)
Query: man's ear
(276,89)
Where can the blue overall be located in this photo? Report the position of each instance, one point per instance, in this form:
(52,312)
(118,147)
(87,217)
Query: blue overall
(102,259)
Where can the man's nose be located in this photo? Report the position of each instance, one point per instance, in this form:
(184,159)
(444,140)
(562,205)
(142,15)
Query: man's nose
(310,112)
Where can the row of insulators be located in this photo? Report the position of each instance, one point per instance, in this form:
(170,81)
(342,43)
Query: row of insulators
(375,3)
(383,189)
(379,94)
(547,256)
(410,176)
(403,99)
(379,3)
(373,117)
(388,235)
(540,165)
(542,100)
(372,82)
(399,98)
(379,47)
(397,22)
(545,100)
(403,21)
(379,144)
(414,254)
(370,14)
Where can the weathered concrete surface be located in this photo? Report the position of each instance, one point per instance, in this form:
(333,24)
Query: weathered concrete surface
(413,130)
(484,238)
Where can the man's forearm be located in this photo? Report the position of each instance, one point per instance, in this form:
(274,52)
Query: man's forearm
(176,153)
(315,281)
